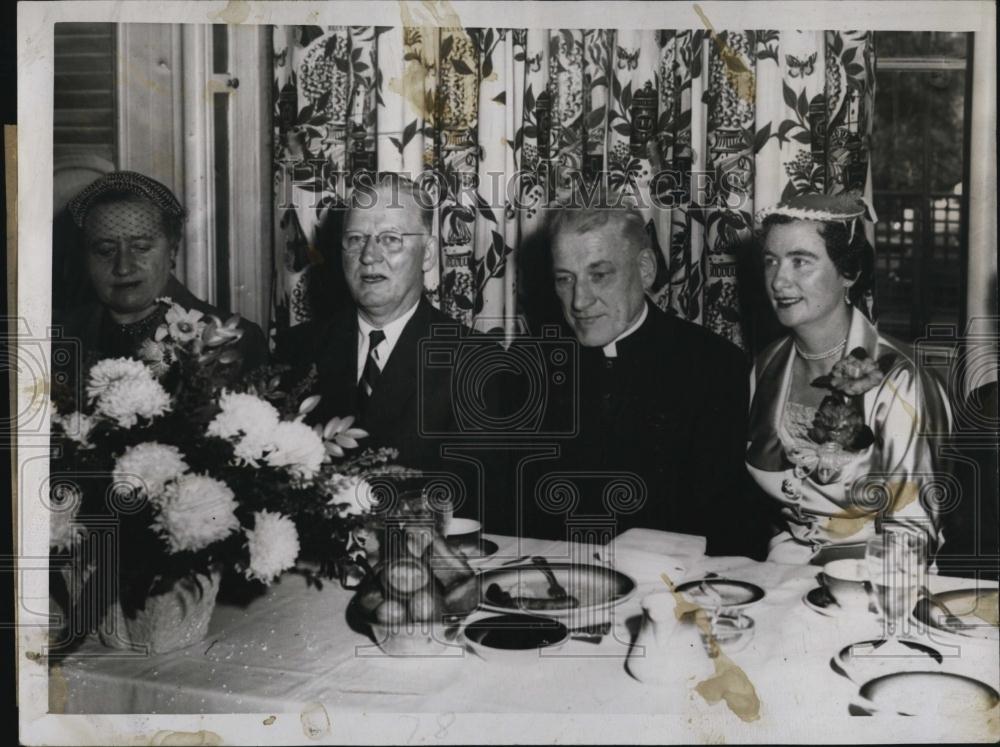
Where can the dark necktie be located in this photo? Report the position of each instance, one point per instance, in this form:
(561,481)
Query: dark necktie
(371,372)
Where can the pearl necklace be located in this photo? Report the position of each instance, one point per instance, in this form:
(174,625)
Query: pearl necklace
(820,356)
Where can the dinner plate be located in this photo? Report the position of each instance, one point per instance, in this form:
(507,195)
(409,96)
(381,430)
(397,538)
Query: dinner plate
(721,592)
(973,613)
(592,590)
(918,693)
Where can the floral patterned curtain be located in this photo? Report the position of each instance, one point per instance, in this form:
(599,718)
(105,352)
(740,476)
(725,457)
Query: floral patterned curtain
(699,128)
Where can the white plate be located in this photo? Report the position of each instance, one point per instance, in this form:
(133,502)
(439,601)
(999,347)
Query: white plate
(930,693)
(972,613)
(596,589)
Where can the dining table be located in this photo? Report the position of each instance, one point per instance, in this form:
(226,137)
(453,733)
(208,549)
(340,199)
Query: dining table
(289,663)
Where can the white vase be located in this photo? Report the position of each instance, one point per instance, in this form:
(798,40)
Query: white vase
(173,619)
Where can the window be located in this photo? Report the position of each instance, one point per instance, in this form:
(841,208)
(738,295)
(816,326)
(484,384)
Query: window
(920,171)
(84,91)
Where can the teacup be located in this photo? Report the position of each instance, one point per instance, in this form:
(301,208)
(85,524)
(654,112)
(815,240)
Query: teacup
(847,582)
(465,535)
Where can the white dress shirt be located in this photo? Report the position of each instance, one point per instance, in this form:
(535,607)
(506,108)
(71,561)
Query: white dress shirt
(384,349)
(611,350)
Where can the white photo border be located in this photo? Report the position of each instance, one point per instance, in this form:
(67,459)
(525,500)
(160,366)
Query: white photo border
(34,213)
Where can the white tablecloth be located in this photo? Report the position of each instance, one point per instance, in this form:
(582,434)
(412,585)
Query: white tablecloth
(292,648)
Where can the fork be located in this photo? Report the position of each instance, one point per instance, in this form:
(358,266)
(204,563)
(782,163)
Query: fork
(516,560)
(556,591)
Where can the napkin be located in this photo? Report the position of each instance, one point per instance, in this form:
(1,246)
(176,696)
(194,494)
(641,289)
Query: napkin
(646,554)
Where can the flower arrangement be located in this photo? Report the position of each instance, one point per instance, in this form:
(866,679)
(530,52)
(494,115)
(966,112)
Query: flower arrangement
(200,470)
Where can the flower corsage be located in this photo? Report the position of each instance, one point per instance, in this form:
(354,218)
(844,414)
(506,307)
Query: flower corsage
(838,432)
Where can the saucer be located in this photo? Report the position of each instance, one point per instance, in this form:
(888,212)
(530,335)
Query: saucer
(721,592)
(474,551)
(865,660)
(820,602)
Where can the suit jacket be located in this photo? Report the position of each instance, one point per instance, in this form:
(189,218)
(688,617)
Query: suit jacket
(661,439)
(411,408)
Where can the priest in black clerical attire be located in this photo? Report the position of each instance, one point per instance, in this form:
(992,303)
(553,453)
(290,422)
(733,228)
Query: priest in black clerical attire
(661,405)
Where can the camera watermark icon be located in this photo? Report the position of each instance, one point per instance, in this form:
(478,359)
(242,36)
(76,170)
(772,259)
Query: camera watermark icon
(528,390)
(84,512)
(965,363)
(38,376)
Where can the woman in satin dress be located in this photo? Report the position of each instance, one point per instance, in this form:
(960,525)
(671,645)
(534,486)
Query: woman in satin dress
(843,421)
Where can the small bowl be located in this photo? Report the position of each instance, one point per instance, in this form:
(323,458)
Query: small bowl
(429,638)
(514,634)
(464,532)
(847,582)
(435,638)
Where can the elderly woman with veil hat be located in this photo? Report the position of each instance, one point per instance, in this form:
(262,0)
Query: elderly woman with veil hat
(843,421)
(132,227)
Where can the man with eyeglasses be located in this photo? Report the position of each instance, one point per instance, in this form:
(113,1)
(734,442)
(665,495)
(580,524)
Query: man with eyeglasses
(368,357)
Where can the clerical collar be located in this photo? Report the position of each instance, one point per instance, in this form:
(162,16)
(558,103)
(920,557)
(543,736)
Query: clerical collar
(611,349)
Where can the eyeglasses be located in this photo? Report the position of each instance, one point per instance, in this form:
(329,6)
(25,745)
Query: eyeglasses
(389,241)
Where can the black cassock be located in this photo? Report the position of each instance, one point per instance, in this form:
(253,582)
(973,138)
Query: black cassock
(661,442)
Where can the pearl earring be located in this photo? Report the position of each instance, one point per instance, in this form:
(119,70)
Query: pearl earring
(847,297)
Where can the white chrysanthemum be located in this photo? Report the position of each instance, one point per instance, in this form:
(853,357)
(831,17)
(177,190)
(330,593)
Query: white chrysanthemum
(273,544)
(76,426)
(196,511)
(125,390)
(247,420)
(352,494)
(297,448)
(108,372)
(149,467)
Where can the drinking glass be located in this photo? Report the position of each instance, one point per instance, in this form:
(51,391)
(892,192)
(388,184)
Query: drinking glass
(730,630)
(896,559)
